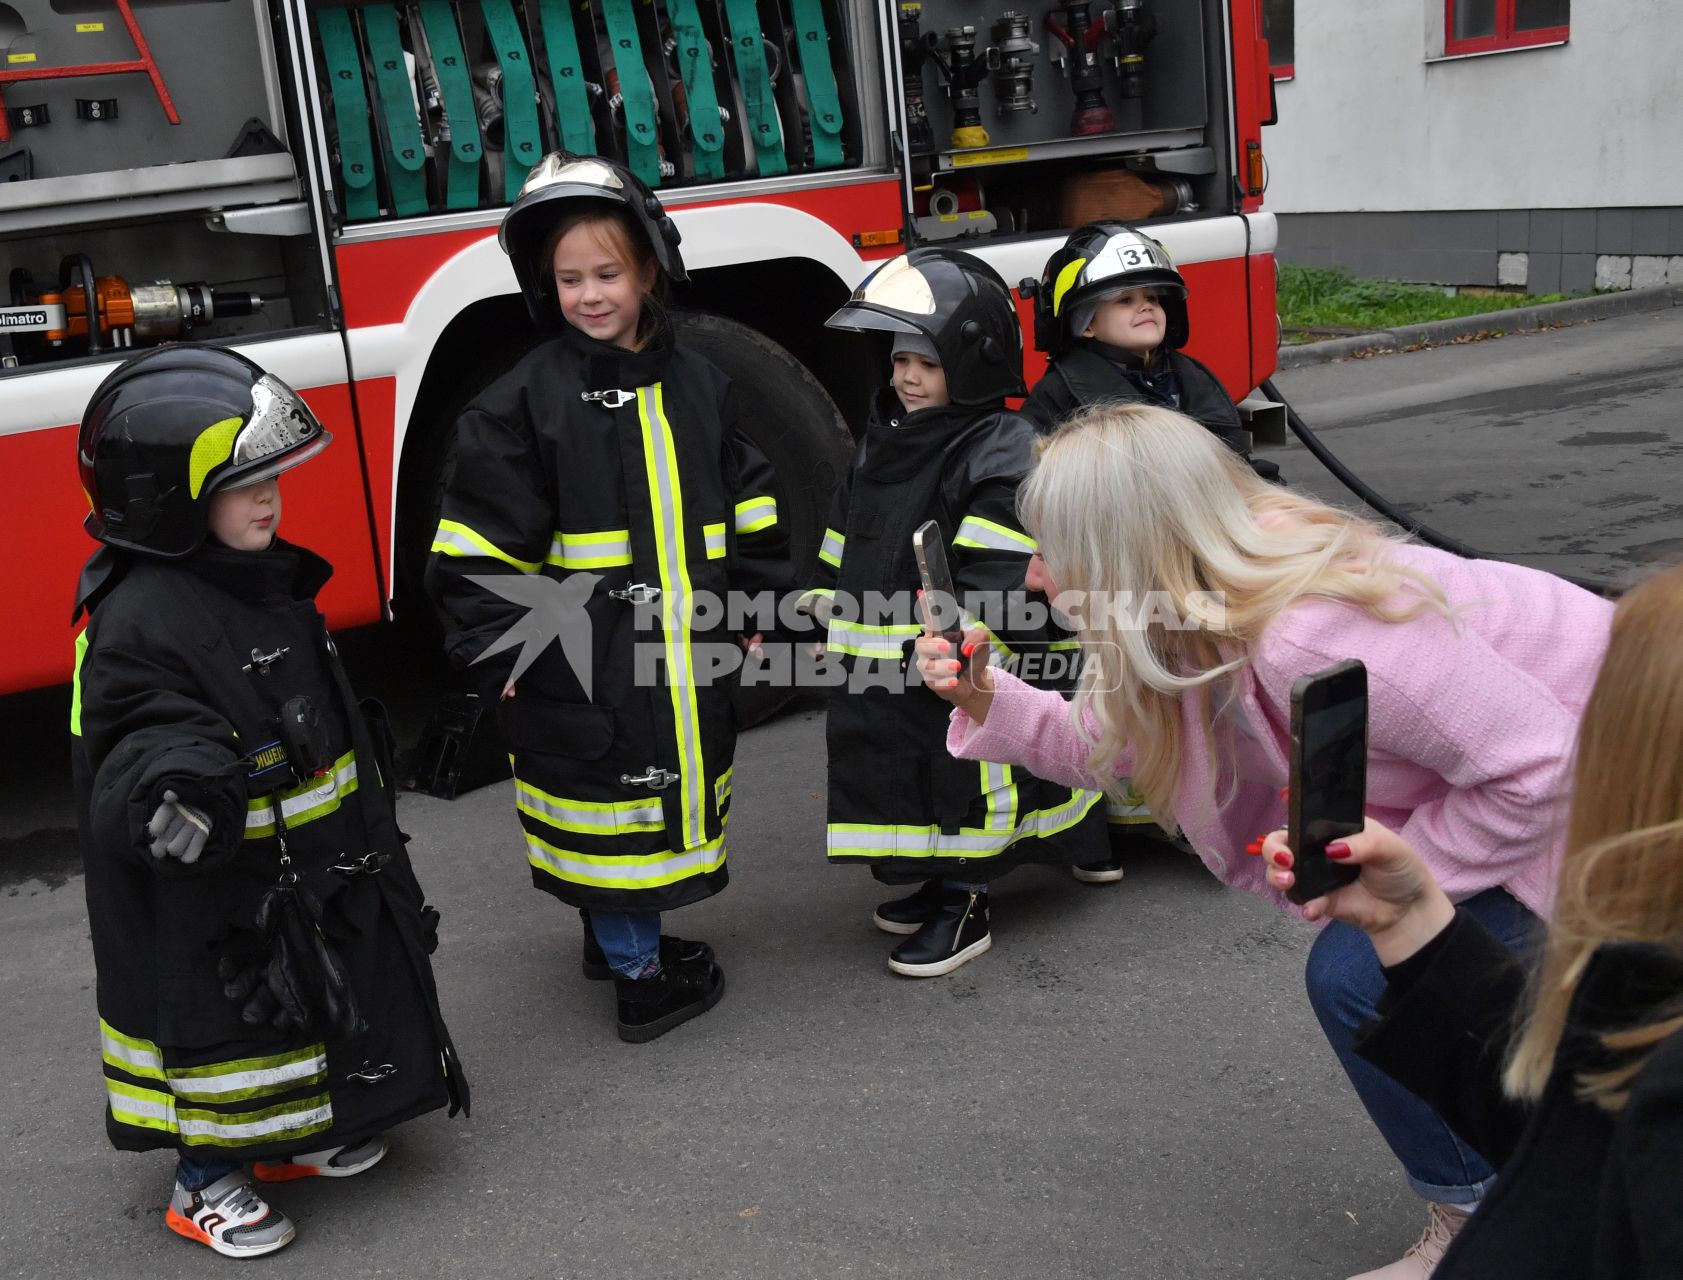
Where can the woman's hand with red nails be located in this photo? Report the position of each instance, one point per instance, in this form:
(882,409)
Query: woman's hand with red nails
(965,682)
(1395,900)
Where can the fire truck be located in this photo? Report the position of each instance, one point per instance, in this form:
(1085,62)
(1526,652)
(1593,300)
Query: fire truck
(318,183)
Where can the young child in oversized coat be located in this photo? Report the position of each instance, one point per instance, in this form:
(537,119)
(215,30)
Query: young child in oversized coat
(264,988)
(940,445)
(601,490)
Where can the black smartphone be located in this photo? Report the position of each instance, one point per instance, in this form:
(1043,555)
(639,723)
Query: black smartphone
(939,596)
(1328,774)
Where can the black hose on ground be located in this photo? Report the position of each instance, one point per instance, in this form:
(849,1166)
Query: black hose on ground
(1430,536)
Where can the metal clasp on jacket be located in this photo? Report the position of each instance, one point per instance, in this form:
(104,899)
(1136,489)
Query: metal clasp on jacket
(366,865)
(654,777)
(636,593)
(613,398)
(261,662)
(368,1073)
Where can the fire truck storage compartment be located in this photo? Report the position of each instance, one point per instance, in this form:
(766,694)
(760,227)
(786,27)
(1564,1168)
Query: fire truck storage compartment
(76,136)
(443,105)
(1029,118)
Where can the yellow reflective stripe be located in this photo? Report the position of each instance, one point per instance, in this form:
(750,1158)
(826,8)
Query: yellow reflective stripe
(1066,278)
(588,817)
(648,871)
(754,514)
(247,1078)
(830,550)
(142,1108)
(303,804)
(713,538)
(969,622)
(213,446)
(456,539)
(865,640)
(1131,809)
(1001,791)
(721,789)
(130,1053)
(974,531)
(868,840)
(76,683)
(250,1128)
(660,460)
(605,550)
(1063,646)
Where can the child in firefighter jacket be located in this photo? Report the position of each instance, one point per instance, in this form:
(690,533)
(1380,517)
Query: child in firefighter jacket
(601,490)
(261,943)
(940,445)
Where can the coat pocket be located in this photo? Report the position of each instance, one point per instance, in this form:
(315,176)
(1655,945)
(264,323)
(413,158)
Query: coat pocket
(536,725)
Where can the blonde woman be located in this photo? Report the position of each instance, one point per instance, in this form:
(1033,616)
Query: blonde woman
(1584,1113)
(1201,594)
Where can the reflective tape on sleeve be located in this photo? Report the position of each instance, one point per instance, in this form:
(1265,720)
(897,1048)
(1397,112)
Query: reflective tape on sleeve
(299,805)
(830,550)
(456,539)
(607,549)
(754,514)
(865,640)
(713,539)
(974,531)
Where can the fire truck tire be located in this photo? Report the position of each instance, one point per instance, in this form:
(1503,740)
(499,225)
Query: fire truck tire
(789,416)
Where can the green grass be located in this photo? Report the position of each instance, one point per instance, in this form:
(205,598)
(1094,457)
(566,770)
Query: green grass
(1331,298)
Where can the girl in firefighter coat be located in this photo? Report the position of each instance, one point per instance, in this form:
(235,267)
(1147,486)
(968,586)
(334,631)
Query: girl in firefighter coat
(602,500)
(261,942)
(940,445)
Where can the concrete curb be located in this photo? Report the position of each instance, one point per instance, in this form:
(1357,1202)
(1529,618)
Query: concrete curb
(1515,320)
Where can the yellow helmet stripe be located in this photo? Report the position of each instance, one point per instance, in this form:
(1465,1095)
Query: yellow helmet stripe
(213,447)
(1065,281)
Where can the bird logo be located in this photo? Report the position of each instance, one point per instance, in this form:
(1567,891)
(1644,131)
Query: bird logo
(554,611)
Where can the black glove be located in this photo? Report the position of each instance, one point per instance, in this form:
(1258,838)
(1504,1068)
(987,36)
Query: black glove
(297,981)
(246,984)
(429,929)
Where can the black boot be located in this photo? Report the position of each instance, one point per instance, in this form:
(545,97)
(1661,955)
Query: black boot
(955,934)
(907,915)
(672,951)
(650,1007)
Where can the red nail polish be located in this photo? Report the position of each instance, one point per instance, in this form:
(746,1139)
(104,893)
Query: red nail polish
(1338,849)
(1254,848)
(1285,793)
(1282,859)
(968,648)
(920,593)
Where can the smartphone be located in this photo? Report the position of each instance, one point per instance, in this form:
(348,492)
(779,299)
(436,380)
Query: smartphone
(938,594)
(1328,774)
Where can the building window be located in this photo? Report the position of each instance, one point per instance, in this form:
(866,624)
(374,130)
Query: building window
(1482,26)
(1277,29)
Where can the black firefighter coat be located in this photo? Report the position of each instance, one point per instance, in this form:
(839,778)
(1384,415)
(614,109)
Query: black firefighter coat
(180,677)
(603,508)
(897,800)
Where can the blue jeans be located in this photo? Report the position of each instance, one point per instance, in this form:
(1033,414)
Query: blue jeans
(631,942)
(196,1175)
(1345,983)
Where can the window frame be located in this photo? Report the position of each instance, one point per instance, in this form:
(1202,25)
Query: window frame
(1504,38)
(1280,70)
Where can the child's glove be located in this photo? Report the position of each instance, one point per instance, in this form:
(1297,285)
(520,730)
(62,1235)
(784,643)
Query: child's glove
(178,830)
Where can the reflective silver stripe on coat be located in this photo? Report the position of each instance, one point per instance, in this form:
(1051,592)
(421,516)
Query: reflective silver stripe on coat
(605,550)
(456,539)
(588,817)
(754,514)
(713,539)
(974,531)
(624,872)
(830,550)
(869,840)
(299,805)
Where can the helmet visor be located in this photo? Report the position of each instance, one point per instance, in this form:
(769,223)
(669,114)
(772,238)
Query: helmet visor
(279,433)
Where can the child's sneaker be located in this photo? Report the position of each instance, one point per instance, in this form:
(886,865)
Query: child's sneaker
(230,1217)
(335,1162)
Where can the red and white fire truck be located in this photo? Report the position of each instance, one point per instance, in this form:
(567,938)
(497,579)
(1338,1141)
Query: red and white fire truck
(319,182)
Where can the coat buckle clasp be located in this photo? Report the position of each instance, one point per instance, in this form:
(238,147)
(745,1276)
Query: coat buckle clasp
(636,593)
(654,777)
(613,398)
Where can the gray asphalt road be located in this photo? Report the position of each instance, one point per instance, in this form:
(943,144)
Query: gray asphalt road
(1130,1084)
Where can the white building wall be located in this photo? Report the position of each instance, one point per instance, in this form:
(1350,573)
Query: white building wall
(1377,119)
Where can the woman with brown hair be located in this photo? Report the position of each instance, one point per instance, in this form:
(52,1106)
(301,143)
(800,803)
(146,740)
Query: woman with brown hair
(1579,1100)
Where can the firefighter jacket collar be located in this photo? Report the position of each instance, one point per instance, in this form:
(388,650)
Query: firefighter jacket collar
(283,573)
(899,444)
(608,366)
(1116,355)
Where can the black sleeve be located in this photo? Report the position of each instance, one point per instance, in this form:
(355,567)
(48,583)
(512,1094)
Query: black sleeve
(1205,399)
(148,729)
(497,521)
(1050,402)
(990,550)
(1445,1037)
(760,546)
(1646,1139)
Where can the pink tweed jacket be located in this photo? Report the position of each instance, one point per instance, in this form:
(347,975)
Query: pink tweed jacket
(1473,722)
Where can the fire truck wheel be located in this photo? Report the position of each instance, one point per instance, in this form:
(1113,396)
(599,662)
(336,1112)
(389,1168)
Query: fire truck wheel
(787,413)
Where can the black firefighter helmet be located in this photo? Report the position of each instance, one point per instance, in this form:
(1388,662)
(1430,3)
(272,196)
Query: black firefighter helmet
(1098,261)
(169,428)
(559,179)
(957,302)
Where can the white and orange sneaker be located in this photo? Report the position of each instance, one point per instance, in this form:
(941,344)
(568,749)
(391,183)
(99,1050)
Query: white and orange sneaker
(230,1217)
(335,1162)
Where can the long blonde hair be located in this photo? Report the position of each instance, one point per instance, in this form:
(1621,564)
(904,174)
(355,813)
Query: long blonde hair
(1129,500)
(1621,878)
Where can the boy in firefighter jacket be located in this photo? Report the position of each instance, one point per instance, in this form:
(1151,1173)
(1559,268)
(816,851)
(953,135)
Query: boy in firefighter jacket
(261,943)
(939,445)
(601,488)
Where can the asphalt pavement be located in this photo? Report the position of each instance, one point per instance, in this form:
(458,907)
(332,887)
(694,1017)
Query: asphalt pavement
(1130,1084)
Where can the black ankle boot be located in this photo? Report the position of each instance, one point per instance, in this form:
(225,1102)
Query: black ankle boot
(650,1007)
(954,935)
(906,915)
(672,951)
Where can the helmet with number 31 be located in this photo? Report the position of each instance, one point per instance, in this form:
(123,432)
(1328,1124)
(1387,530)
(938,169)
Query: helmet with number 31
(1099,261)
